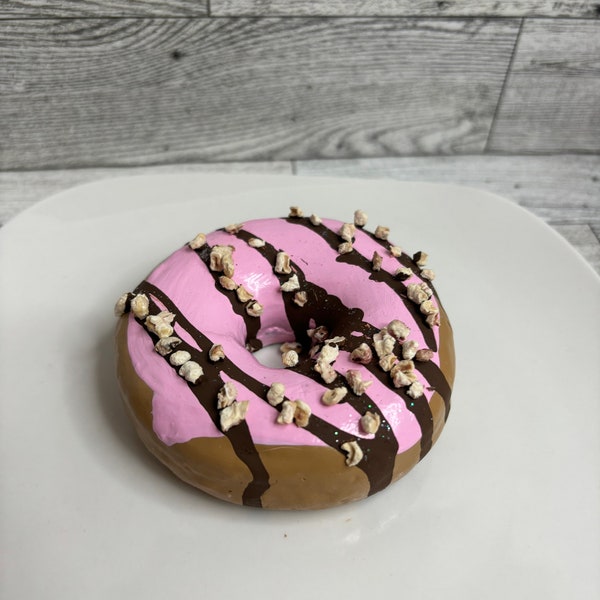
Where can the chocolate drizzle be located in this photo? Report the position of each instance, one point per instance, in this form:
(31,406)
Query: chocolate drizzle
(206,393)
(433,374)
(239,308)
(429,370)
(358,260)
(329,311)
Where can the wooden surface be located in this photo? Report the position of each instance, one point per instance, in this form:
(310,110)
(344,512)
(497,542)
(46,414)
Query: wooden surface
(445,8)
(133,91)
(562,190)
(143,91)
(552,95)
(178,8)
(102,8)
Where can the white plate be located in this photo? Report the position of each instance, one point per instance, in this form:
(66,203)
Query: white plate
(505,506)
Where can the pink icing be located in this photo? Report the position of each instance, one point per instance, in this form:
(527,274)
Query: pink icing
(184,278)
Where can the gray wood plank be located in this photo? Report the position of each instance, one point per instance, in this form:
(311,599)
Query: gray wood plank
(556,188)
(456,8)
(551,100)
(102,8)
(130,91)
(21,189)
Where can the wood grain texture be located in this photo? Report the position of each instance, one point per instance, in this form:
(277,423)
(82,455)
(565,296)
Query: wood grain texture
(142,91)
(102,8)
(552,96)
(21,189)
(423,8)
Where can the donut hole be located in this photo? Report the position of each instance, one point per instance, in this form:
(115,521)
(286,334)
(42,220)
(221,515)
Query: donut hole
(269,356)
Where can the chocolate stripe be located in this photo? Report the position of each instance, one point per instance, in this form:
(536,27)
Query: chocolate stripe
(328,310)
(429,370)
(206,394)
(433,374)
(358,260)
(322,307)
(252,323)
(404,258)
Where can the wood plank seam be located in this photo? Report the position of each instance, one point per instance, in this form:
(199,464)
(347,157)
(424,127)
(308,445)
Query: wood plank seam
(565,9)
(503,89)
(264,16)
(549,99)
(294,162)
(486,16)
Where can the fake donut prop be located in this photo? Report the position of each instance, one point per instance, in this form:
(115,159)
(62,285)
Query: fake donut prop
(367,361)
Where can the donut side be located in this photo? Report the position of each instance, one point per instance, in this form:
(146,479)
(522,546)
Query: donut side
(205,463)
(300,477)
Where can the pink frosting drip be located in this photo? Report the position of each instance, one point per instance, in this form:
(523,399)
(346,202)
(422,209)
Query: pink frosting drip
(184,278)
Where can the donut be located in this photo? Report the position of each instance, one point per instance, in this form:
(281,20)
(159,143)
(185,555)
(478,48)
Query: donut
(367,361)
